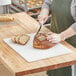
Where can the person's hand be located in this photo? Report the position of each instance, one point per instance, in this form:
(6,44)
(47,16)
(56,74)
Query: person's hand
(54,38)
(43,15)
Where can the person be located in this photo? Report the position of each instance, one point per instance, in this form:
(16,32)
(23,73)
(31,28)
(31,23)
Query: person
(63,27)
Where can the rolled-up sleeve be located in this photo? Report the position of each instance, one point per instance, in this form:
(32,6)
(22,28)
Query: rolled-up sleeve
(73,12)
(47,4)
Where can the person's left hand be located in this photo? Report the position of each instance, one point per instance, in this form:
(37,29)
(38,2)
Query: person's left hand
(54,38)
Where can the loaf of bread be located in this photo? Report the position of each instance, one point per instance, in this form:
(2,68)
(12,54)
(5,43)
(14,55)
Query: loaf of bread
(40,42)
(6,18)
(20,39)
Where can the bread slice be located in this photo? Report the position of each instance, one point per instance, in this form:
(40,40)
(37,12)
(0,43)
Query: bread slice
(20,39)
(40,41)
(23,39)
(17,38)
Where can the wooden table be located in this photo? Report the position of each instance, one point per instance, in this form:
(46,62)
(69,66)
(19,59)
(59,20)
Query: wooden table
(14,62)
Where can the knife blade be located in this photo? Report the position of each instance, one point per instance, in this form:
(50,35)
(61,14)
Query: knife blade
(41,24)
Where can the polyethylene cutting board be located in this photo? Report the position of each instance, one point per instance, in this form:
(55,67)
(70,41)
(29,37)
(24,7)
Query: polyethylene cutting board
(31,54)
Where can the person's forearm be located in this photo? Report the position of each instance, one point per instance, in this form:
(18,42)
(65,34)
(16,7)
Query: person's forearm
(46,6)
(68,33)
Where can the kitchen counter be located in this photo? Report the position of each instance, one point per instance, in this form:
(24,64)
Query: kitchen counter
(14,62)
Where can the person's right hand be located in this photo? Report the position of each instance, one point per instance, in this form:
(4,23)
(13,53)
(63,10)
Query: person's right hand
(43,15)
(43,18)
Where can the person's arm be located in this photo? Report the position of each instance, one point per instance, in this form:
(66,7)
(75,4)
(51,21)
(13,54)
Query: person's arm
(71,31)
(45,11)
(56,38)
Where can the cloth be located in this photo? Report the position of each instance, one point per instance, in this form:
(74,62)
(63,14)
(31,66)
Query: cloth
(47,4)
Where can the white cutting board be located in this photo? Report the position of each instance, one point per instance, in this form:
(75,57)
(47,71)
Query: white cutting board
(31,54)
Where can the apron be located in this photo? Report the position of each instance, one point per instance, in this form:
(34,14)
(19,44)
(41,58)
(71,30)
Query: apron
(61,20)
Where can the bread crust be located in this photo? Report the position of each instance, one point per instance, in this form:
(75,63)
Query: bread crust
(17,38)
(24,39)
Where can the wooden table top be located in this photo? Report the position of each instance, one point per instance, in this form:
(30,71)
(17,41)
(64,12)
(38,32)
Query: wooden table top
(14,62)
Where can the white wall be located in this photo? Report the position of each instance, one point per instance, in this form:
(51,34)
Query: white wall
(5,2)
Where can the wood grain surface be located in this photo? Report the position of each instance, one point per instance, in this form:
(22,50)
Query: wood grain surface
(24,24)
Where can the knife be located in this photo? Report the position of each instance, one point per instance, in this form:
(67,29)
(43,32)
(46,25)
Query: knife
(41,24)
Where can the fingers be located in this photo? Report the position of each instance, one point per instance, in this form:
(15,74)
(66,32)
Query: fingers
(39,18)
(49,37)
(54,38)
(42,18)
(50,33)
(54,41)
